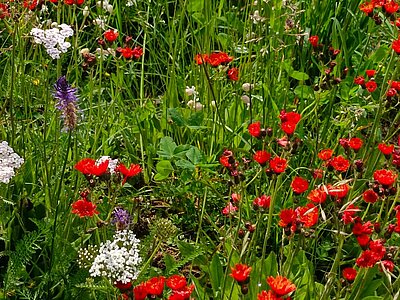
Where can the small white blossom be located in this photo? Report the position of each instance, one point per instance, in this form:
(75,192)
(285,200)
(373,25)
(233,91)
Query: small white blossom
(247,87)
(9,161)
(195,105)
(119,259)
(190,91)
(112,163)
(246,99)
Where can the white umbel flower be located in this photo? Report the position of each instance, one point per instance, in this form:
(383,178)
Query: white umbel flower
(9,161)
(119,259)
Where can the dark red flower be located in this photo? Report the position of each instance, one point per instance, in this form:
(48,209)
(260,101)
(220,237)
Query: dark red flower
(325,154)
(355,143)
(241,273)
(281,285)
(111,35)
(123,286)
(129,53)
(367,8)
(314,40)
(261,157)
(360,228)
(371,86)
(292,117)
(349,274)
(128,173)
(155,286)
(349,214)
(308,215)
(299,185)
(288,127)
(388,265)
(391,92)
(233,74)
(339,163)
(84,208)
(262,202)
(359,80)
(317,195)
(367,259)
(396,46)
(176,282)
(287,217)
(370,196)
(255,129)
(386,149)
(4,11)
(278,165)
(385,177)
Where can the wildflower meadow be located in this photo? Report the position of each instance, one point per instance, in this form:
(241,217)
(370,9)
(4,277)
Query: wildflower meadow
(200,149)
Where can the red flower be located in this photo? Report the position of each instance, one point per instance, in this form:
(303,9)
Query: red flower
(396,46)
(394,84)
(71,2)
(317,195)
(349,214)
(140,291)
(123,286)
(241,273)
(359,80)
(367,259)
(363,240)
(339,191)
(224,160)
(308,215)
(288,127)
(129,53)
(349,274)
(281,285)
(385,177)
(262,157)
(233,74)
(155,286)
(292,117)
(229,209)
(391,7)
(360,229)
(88,166)
(176,282)
(299,185)
(111,35)
(370,73)
(262,202)
(255,129)
(371,86)
(391,92)
(318,173)
(278,165)
(386,149)
(201,58)
(370,196)
(325,154)
(128,173)
(367,8)
(388,265)
(287,217)
(217,58)
(264,295)
(4,11)
(314,40)
(339,163)
(30,4)
(84,208)
(182,294)
(355,143)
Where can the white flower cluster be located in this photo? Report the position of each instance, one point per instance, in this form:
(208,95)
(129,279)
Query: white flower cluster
(53,39)
(105,5)
(112,163)
(194,103)
(8,162)
(118,260)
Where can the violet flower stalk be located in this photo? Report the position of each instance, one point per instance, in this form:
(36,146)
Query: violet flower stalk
(67,103)
(121,218)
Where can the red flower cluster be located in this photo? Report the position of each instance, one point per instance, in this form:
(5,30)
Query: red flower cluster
(371,85)
(4,11)
(289,121)
(72,2)
(371,256)
(88,166)
(154,288)
(129,53)
(349,213)
(386,149)
(291,218)
(353,143)
(389,7)
(262,202)
(318,195)
(278,165)
(339,163)
(363,232)
(128,173)
(299,185)
(262,157)
(214,59)
(280,287)
(385,177)
(233,74)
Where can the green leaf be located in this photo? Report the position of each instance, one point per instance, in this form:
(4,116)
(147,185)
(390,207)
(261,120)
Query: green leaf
(304,91)
(299,75)
(164,167)
(180,151)
(373,298)
(195,155)
(167,148)
(176,116)
(185,164)
(216,275)
(195,5)
(379,54)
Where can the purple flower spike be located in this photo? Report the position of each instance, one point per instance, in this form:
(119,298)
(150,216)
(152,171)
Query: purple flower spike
(67,103)
(121,218)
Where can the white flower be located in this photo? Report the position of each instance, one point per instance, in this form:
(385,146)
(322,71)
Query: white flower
(195,105)
(246,99)
(8,162)
(119,259)
(190,91)
(247,87)
(112,163)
